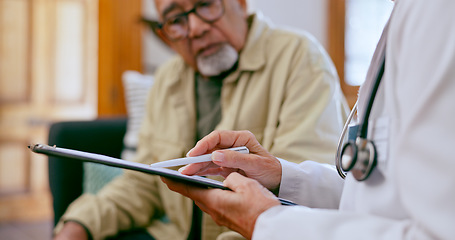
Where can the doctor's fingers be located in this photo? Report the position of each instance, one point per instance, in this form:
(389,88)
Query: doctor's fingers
(216,202)
(219,166)
(221,139)
(265,169)
(249,188)
(246,162)
(225,208)
(241,209)
(210,170)
(197,168)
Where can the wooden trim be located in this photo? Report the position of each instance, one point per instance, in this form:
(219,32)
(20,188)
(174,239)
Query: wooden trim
(29,51)
(26,97)
(27,168)
(336,41)
(120,49)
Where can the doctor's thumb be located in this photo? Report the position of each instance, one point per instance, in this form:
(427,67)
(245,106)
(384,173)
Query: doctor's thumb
(236,181)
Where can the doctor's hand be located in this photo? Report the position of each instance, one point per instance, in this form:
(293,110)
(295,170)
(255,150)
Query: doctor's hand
(259,164)
(237,209)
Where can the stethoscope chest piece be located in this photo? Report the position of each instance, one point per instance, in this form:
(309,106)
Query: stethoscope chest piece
(359,158)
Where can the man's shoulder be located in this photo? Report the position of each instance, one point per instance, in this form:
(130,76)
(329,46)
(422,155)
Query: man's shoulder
(265,30)
(291,44)
(285,35)
(288,44)
(173,66)
(281,37)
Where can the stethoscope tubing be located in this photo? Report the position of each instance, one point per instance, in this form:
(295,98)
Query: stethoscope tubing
(363,128)
(340,141)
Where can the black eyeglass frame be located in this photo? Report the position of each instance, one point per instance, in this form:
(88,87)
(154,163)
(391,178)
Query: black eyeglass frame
(156,25)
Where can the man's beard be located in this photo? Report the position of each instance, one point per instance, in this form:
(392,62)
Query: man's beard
(219,62)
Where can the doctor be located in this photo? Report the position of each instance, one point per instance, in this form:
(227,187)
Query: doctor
(410,191)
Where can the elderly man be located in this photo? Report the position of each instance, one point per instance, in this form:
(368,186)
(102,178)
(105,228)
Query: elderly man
(233,72)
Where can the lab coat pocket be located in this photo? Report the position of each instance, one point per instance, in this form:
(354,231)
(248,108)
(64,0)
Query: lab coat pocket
(379,130)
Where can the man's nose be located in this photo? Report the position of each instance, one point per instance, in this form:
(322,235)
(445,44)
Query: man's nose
(196,26)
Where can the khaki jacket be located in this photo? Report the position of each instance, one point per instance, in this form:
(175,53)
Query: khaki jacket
(285,91)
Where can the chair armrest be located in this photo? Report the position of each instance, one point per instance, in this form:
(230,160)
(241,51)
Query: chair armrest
(102,136)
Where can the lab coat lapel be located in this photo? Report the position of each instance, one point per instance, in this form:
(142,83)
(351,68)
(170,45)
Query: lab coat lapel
(376,63)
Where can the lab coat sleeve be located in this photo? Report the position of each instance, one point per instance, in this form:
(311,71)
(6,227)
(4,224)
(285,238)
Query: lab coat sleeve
(315,186)
(299,222)
(311,184)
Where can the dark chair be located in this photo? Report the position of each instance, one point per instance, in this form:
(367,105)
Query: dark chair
(102,136)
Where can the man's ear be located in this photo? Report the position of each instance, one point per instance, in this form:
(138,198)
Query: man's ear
(243,4)
(160,34)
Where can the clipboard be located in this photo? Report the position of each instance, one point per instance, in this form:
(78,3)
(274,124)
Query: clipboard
(145,168)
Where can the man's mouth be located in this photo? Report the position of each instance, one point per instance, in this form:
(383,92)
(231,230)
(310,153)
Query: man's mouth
(209,50)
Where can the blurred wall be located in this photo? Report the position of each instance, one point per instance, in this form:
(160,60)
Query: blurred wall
(155,51)
(310,15)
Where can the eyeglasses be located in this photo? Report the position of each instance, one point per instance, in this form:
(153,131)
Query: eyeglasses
(176,27)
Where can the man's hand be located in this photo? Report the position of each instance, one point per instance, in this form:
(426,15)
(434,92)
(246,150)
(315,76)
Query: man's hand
(237,209)
(259,164)
(72,231)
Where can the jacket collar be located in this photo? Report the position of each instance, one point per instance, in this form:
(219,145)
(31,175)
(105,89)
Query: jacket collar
(252,56)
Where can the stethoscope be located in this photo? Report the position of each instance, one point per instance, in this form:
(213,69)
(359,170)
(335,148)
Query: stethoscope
(359,156)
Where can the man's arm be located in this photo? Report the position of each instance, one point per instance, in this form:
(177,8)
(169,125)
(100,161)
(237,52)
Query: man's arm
(312,110)
(128,201)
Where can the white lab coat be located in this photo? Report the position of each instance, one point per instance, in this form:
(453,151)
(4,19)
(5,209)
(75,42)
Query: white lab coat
(411,193)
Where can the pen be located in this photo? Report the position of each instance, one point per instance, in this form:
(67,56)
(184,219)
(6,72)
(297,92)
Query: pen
(286,202)
(197,159)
